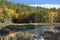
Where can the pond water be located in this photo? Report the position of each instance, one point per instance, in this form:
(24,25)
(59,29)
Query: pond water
(40,29)
(31,34)
(37,30)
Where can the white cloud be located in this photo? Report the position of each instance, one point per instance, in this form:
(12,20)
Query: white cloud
(47,5)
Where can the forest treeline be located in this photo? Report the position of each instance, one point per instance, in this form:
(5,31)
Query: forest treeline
(20,13)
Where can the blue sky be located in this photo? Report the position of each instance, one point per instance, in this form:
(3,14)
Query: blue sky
(36,1)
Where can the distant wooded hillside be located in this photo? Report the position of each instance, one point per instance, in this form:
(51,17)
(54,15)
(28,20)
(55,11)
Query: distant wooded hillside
(20,13)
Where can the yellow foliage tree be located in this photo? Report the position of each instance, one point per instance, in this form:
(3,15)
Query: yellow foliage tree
(1,14)
(51,16)
(12,13)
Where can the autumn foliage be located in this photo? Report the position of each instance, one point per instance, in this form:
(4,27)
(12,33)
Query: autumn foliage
(24,13)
